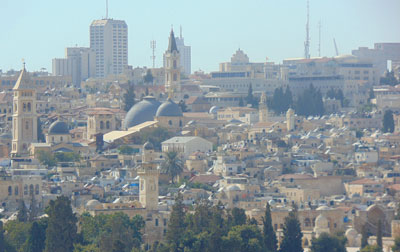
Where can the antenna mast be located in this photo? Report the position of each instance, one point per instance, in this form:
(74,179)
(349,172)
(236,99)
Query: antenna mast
(319,38)
(307,42)
(153,48)
(106,9)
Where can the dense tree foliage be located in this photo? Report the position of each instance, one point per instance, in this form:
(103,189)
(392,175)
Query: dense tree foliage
(292,235)
(269,236)
(36,238)
(251,99)
(129,97)
(310,103)
(329,243)
(148,78)
(281,101)
(52,159)
(388,121)
(336,94)
(154,136)
(389,79)
(396,245)
(371,248)
(61,232)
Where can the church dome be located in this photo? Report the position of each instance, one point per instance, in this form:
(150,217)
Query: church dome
(91,204)
(321,221)
(148,146)
(213,110)
(58,128)
(141,112)
(169,108)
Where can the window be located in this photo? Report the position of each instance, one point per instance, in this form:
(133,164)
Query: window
(9,191)
(31,190)
(156,222)
(108,125)
(16,191)
(101,125)
(26,125)
(37,189)
(29,107)
(170,122)
(24,107)
(25,189)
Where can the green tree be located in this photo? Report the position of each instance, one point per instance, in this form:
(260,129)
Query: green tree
(396,246)
(389,79)
(364,236)
(155,136)
(36,239)
(2,240)
(269,236)
(172,165)
(176,226)
(238,216)
(40,135)
(310,103)
(22,215)
(61,231)
(16,233)
(329,243)
(241,102)
(33,209)
(46,158)
(250,99)
(126,150)
(129,97)
(148,78)
(379,235)
(292,236)
(371,248)
(243,238)
(388,121)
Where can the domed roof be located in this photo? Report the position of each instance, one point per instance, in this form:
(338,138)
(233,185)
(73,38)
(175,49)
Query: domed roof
(58,128)
(351,232)
(213,110)
(141,112)
(169,108)
(321,221)
(233,188)
(91,204)
(323,208)
(148,146)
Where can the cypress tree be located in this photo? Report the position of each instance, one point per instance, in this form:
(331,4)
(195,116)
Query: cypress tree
(2,241)
(388,121)
(379,235)
(22,215)
(35,242)
(292,236)
(269,236)
(176,226)
(61,229)
(129,97)
(364,236)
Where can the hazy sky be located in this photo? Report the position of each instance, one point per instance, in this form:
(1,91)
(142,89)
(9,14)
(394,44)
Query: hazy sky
(40,30)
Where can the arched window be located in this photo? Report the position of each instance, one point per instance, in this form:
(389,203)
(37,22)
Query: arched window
(37,189)
(180,123)
(107,124)
(101,125)
(29,107)
(16,191)
(174,64)
(307,222)
(25,189)
(26,125)
(9,191)
(170,122)
(30,189)
(24,107)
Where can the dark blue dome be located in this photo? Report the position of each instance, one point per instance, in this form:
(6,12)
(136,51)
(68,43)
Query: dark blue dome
(58,128)
(141,112)
(169,108)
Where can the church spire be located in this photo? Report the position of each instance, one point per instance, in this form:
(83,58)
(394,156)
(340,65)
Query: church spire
(172,43)
(23,81)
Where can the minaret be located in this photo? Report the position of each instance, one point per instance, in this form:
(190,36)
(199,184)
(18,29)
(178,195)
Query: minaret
(24,115)
(172,68)
(263,109)
(290,125)
(148,173)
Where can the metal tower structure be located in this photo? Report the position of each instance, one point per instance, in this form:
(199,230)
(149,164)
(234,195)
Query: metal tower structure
(106,9)
(307,42)
(153,48)
(319,38)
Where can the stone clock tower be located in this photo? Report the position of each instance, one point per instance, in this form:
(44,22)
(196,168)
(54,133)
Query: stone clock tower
(172,68)
(24,115)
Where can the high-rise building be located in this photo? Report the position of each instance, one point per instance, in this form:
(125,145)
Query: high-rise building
(79,63)
(109,40)
(24,116)
(185,55)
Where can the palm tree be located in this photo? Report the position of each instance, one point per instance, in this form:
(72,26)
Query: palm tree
(172,165)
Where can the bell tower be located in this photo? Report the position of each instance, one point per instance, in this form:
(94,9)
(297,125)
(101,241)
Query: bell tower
(148,173)
(172,68)
(24,115)
(263,109)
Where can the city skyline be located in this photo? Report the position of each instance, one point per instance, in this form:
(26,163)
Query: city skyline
(211,30)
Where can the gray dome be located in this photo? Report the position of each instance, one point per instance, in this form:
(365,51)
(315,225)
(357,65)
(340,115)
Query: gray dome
(213,110)
(58,128)
(141,112)
(148,146)
(169,108)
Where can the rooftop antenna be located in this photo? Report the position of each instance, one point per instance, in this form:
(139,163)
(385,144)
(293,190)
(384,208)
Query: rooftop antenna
(336,50)
(307,42)
(319,38)
(153,48)
(23,63)
(106,9)
(180,34)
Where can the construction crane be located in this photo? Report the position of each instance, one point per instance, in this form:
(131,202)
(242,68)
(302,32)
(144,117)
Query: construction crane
(337,51)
